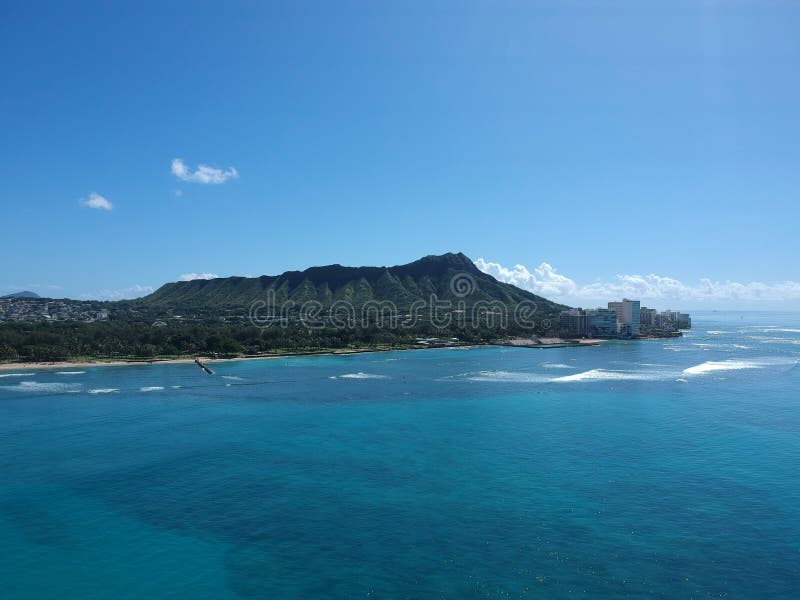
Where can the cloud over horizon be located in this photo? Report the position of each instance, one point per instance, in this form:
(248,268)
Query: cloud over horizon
(662,292)
(193,276)
(97,201)
(203,174)
(134,291)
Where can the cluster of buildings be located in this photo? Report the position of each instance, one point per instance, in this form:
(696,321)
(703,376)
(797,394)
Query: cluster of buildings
(626,319)
(40,309)
(668,319)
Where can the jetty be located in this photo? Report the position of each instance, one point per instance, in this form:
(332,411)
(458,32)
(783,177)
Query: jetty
(203,366)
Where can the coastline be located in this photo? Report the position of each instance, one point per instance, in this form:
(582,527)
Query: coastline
(12,366)
(514,343)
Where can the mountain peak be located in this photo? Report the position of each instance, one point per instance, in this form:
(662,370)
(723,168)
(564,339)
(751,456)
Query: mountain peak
(448,257)
(443,262)
(22,295)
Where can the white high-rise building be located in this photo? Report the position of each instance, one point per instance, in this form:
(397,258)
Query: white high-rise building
(628,317)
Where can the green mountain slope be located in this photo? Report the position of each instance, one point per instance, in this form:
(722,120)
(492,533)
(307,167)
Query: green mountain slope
(449,277)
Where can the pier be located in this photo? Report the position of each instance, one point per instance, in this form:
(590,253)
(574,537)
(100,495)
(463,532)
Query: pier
(202,365)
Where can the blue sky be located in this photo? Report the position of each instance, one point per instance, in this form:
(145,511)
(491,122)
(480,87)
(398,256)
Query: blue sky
(602,139)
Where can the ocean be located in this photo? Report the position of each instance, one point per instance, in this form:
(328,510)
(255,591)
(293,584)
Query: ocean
(652,468)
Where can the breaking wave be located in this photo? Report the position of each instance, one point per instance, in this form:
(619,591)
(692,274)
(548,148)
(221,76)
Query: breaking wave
(507,377)
(70,372)
(606,375)
(738,365)
(359,376)
(17,374)
(765,339)
(151,388)
(34,386)
(104,391)
(721,365)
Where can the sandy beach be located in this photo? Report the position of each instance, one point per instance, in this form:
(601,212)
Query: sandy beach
(12,366)
(89,363)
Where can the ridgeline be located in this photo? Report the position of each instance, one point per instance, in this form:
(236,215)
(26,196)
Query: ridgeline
(442,299)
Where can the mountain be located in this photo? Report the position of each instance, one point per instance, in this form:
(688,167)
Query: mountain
(450,277)
(22,295)
(436,300)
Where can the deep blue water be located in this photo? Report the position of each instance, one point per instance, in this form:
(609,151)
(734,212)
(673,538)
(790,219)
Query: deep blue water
(604,472)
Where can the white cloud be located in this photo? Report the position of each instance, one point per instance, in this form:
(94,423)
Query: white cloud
(544,280)
(193,276)
(97,201)
(134,291)
(203,174)
(657,290)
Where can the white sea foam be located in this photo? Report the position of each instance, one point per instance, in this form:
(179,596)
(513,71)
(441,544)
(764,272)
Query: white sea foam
(104,391)
(557,366)
(151,388)
(17,374)
(606,375)
(772,334)
(507,377)
(70,372)
(359,376)
(35,386)
(737,365)
(717,332)
(764,339)
(721,347)
(722,365)
(232,377)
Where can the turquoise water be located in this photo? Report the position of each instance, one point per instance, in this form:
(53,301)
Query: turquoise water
(665,469)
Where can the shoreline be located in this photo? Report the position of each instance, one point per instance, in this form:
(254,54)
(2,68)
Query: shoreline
(12,366)
(65,364)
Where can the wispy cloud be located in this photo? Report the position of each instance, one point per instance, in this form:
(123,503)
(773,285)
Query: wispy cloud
(193,276)
(660,291)
(97,201)
(134,291)
(203,173)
